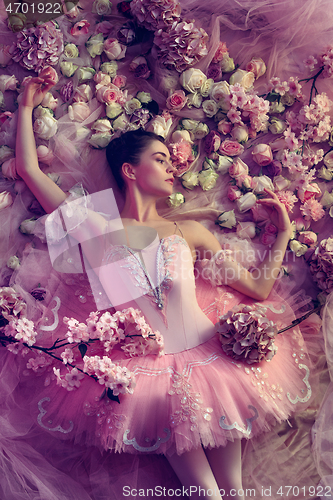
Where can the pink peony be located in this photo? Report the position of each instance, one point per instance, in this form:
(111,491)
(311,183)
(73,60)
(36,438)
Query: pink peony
(231,148)
(176,101)
(262,154)
(312,209)
(181,151)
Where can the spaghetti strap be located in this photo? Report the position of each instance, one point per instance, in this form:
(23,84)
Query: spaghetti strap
(177,227)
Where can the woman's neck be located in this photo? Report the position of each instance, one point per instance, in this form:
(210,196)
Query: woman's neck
(140,209)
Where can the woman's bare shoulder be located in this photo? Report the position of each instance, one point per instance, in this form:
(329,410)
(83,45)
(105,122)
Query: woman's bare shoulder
(198,236)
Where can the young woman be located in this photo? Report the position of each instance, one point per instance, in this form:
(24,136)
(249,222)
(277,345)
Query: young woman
(194,404)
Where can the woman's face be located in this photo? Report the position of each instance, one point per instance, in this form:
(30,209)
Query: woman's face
(155,174)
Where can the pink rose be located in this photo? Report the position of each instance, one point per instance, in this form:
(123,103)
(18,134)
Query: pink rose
(271,228)
(259,213)
(240,133)
(176,101)
(8,82)
(212,142)
(262,154)
(5,116)
(224,126)
(80,28)
(267,238)
(256,66)
(142,71)
(6,199)
(5,55)
(113,49)
(246,230)
(45,155)
(308,238)
(119,81)
(79,111)
(231,148)
(108,94)
(308,191)
(102,78)
(301,224)
(9,169)
(244,181)
(233,193)
(238,168)
(50,73)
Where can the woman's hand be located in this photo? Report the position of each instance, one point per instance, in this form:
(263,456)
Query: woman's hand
(36,89)
(278,212)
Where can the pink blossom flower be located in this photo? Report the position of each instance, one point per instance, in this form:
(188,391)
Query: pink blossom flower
(312,209)
(73,378)
(80,28)
(287,198)
(311,62)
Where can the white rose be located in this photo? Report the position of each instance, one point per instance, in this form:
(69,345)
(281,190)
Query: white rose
(45,155)
(190,180)
(83,93)
(160,126)
(82,133)
(100,140)
(67,68)
(207,179)
(262,182)
(113,110)
(132,105)
(8,82)
(95,45)
(280,183)
(200,131)
(219,91)
(192,79)
(227,64)
(28,226)
(277,126)
(13,262)
(102,125)
(227,219)
(6,200)
(175,200)
(144,97)
(78,111)
(45,125)
(189,124)
(49,101)
(85,73)
(240,133)
(170,82)
(210,108)
(244,78)
(298,248)
(194,100)
(71,50)
(206,87)
(6,153)
(102,7)
(110,68)
(121,123)
(223,163)
(245,202)
(178,135)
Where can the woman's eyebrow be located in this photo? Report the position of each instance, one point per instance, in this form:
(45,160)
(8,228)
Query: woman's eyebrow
(160,153)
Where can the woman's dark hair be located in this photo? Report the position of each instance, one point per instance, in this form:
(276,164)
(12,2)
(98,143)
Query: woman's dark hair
(128,148)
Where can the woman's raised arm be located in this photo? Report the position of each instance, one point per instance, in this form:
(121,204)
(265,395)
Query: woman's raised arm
(49,195)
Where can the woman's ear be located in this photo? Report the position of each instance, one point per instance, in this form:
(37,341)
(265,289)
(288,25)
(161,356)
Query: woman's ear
(128,171)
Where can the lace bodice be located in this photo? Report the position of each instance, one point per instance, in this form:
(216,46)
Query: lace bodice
(128,283)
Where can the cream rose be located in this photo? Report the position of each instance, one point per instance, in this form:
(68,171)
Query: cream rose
(83,93)
(324,173)
(328,160)
(210,107)
(206,87)
(227,219)
(102,7)
(160,126)
(220,91)
(223,164)
(6,199)
(262,182)
(207,179)
(8,82)
(175,200)
(110,68)
(132,105)
(100,140)
(178,135)
(121,123)
(308,238)
(144,97)
(277,126)
(190,180)
(49,101)
(262,154)
(68,68)
(113,109)
(113,49)
(192,79)
(17,21)
(71,50)
(95,45)
(6,153)
(327,199)
(200,131)
(298,248)
(194,100)
(257,67)
(85,73)
(287,99)
(227,64)
(28,225)
(45,125)
(102,125)
(240,133)
(246,230)
(280,183)
(237,168)
(276,107)
(244,78)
